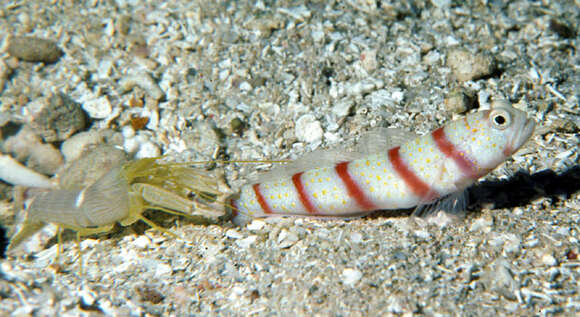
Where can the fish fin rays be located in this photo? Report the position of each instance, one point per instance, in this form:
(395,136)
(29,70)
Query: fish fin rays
(454,204)
(372,142)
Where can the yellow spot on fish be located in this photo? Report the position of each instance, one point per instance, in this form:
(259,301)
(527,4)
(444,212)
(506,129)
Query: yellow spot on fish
(378,163)
(279,196)
(372,189)
(493,145)
(378,177)
(367,163)
(428,161)
(328,179)
(285,194)
(293,204)
(324,192)
(344,202)
(271,196)
(420,149)
(315,195)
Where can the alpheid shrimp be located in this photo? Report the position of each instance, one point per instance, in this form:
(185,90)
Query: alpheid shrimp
(121,196)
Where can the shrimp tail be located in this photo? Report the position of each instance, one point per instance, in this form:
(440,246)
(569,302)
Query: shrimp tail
(25,230)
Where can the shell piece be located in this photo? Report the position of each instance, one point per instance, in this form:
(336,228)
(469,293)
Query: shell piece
(11,171)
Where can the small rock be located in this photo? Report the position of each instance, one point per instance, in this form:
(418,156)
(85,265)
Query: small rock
(234,234)
(45,159)
(467,66)
(246,242)
(369,60)
(286,239)
(422,234)
(19,143)
(33,49)
(484,224)
(308,129)
(564,126)
(256,225)
(351,276)
(55,118)
(562,29)
(459,101)
(142,242)
(98,108)
(73,147)
(549,260)
(499,279)
(148,149)
(145,82)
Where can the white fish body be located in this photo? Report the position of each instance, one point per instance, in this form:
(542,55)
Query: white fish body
(417,172)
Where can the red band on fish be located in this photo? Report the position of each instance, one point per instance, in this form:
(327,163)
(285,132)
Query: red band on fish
(231,203)
(417,186)
(261,200)
(304,199)
(446,147)
(353,189)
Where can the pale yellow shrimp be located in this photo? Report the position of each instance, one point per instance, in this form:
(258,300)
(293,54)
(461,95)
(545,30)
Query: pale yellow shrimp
(121,196)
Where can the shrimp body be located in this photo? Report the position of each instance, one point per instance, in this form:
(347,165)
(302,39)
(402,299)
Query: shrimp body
(121,196)
(419,171)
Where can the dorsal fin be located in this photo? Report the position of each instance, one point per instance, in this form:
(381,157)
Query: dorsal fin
(374,141)
(381,139)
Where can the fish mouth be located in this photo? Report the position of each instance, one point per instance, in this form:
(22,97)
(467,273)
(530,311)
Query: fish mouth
(521,137)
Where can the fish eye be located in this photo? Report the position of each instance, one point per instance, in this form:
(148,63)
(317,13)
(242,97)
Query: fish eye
(500,119)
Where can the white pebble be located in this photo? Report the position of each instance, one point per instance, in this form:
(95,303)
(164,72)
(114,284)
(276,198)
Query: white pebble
(146,82)
(246,242)
(163,269)
(422,234)
(256,225)
(87,296)
(128,131)
(286,239)
(73,147)
(233,234)
(98,108)
(351,276)
(308,129)
(245,86)
(142,242)
(356,237)
(549,260)
(441,3)
(484,224)
(11,171)
(147,149)
(131,145)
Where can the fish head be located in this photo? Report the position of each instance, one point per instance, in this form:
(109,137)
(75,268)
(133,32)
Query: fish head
(508,127)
